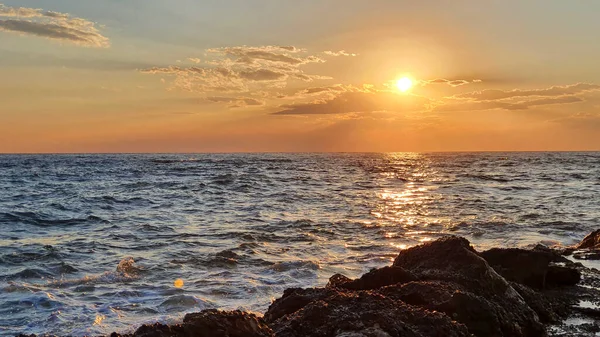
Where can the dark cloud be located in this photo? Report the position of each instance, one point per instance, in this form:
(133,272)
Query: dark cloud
(452,83)
(51,25)
(53,31)
(491,105)
(357,102)
(268,54)
(492,94)
(236,102)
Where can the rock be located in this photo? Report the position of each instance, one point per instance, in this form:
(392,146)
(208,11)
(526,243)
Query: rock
(482,317)
(587,255)
(527,267)
(451,259)
(208,323)
(215,323)
(532,268)
(159,330)
(294,299)
(549,308)
(374,279)
(592,241)
(558,276)
(364,313)
(469,290)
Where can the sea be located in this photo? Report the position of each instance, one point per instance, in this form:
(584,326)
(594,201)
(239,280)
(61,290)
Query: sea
(91,244)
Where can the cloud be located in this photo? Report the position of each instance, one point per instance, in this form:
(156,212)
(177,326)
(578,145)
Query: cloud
(51,25)
(452,83)
(491,105)
(241,69)
(517,99)
(194,60)
(236,102)
(318,90)
(492,94)
(358,101)
(265,54)
(338,53)
(262,75)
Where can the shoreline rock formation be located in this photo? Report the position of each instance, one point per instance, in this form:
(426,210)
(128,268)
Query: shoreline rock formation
(441,288)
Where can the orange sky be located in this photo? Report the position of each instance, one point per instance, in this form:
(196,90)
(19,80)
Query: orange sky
(229,77)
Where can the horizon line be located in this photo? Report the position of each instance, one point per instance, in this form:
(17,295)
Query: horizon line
(296,152)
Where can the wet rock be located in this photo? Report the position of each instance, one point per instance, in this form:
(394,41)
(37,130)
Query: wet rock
(158,330)
(550,309)
(587,255)
(451,259)
(472,292)
(482,317)
(374,279)
(533,268)
(208,323)
(558,276)
(294,299)
(364,313)
(215,323)
(592,241)
(519,265)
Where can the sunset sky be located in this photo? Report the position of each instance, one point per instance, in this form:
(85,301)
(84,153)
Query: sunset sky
(311,75)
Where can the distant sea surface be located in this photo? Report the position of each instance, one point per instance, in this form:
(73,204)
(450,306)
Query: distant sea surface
(91,244)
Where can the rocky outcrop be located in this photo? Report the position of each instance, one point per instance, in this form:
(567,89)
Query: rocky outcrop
(537,268)
(591,241)
(374,279)
(360,313)
(467,289)
(588,248)
(208,323)
(442,288)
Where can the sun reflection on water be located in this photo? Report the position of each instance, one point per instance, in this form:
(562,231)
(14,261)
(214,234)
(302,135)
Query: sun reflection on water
(407,203)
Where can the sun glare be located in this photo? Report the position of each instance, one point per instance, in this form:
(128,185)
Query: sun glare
(404,84)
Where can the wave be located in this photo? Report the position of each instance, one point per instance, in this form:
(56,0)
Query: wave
(487,177)
(40,219)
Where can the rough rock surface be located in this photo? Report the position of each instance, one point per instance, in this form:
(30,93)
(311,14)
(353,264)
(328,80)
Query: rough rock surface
(374,279)
(591,241)
(474,293)
(360,313)
(535,268)
(208,323)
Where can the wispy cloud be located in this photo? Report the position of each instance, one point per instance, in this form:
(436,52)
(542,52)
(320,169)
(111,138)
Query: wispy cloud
(358,102)
(242,69)
(339,53)
(517,99)
(452,83)
(51,25)
(491,105)
(236,102)
(489,95)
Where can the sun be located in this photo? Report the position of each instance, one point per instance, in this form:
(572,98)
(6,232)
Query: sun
(404,84)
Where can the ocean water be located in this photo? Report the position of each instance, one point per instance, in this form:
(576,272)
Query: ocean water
(91,244)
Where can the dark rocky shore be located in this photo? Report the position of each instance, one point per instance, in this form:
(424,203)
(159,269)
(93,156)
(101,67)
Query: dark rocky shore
(442,288)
